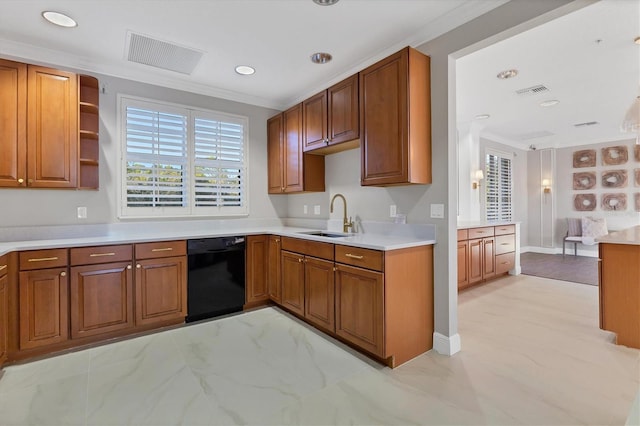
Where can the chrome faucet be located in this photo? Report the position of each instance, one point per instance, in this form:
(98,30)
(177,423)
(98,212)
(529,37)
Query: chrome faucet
(346,223)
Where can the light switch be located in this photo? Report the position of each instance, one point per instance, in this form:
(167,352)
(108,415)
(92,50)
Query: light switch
(437,211)
(392,210)
(316,209)
(82,212)
(305,209)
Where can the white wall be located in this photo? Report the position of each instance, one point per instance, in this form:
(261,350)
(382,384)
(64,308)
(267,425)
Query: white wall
(32,207)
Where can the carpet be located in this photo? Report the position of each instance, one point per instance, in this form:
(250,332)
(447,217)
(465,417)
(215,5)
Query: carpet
(578,269)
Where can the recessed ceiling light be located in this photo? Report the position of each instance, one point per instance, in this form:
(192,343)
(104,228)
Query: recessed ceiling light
(326,2)
(549,103)
(245,70)
(59,19)
(482,116)
(507,74)
(321,58)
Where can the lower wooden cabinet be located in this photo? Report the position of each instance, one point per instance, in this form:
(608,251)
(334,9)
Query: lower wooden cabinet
(293,282)
(319,292)
(274,280)
(4,308)
(485,253)
(360,307)
(463,264)
(44,309)
(257,248)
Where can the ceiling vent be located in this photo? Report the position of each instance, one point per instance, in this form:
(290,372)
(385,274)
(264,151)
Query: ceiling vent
(533,90)
(535,135)
(586,123)
(161,54)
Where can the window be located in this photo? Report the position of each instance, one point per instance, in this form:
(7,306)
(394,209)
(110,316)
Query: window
(498,199)
(179,161)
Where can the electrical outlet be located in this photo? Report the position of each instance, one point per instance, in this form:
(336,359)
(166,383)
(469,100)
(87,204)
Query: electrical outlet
(437,211)
(82,212)
(316,209)
(392,210)
(305,209)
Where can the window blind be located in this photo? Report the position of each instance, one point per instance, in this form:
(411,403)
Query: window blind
(498,196)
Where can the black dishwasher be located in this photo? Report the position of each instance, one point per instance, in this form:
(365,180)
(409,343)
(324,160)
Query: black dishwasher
(216,271)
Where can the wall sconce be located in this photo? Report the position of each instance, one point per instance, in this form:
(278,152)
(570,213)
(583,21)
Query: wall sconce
(479,175)
(546,184)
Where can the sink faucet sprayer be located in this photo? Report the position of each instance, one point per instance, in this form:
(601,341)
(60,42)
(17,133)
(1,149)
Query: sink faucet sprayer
(346,223)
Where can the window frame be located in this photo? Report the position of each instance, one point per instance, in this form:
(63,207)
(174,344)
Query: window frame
(500,213)
(190,210)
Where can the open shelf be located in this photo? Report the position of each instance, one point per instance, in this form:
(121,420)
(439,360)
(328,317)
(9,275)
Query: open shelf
(89,110)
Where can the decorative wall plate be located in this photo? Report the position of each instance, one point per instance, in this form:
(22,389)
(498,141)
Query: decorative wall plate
(636,152)
(611,202)
(584,202)
(584,180)
(584,158)
(614,179)
(637,201)
(615,155)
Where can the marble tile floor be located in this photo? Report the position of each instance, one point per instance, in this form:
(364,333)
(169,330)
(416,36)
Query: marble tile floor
(532,354)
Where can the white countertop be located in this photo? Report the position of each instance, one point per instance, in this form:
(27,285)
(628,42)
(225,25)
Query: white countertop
(483,223)
(626,236)
(387,240)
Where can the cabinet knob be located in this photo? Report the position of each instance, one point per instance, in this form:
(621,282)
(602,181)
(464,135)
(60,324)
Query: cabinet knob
(300,260)
(138,266)
(20,181)
(63,274)
(129,267)
(326,141)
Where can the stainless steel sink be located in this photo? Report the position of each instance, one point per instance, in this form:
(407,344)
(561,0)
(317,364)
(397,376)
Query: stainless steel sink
(324,234)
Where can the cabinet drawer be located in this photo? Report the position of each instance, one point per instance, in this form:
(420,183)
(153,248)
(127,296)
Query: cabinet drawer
(505,243)
(481,232)
(100,254)
(42,259)
(505,229)
(505,262)
(161,249)
(463,234)
(4,265)
(364,258)
(308,247)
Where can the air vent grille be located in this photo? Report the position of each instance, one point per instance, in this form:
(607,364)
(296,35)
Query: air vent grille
(160,54)
(535,135)
(533,90)
(586,123)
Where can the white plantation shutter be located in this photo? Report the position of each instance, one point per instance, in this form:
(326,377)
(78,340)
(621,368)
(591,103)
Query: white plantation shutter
(498,185)
(180,161)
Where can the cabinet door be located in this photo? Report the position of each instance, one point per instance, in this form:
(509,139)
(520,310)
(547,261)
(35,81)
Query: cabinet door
(315,121)
(256,282)
(319,292)
(275,160)
(4,317)
(475,261)
(13,116)
(384,115)
(343,111)
(101,299)
(360,307)
(273,269)
(489,258)
(293,282)
(161,291)
(463,262)
(52,128)
(44,308)
(293,172)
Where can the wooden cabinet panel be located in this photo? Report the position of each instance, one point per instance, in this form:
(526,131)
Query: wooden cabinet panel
(315,121)
(161,291)
(360,307)
(475,261)
(273,269)
(360,257)
(4,309)
(505,229)
(488,258)
(44,309)
(319,292)
(275,157)
(308,247)
(293,172)
(505,262)
(256,281)
(463,234)
(101,298)
(395,120)
(463,262)
(52,128)
(13,117)
(505,244)
(42,259)
(293,282)
(343,111)
(481,232)
(160,249)
(100,254)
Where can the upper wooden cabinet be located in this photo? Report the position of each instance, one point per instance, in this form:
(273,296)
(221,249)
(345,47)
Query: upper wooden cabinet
(331,118)
(291,170)
(47,117)
(395,120)
(4,308)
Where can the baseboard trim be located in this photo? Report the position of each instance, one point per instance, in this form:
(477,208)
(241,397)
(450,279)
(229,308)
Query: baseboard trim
(446,345)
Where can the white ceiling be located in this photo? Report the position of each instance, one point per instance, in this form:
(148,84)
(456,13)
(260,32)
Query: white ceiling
(276,37)
(594,81)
